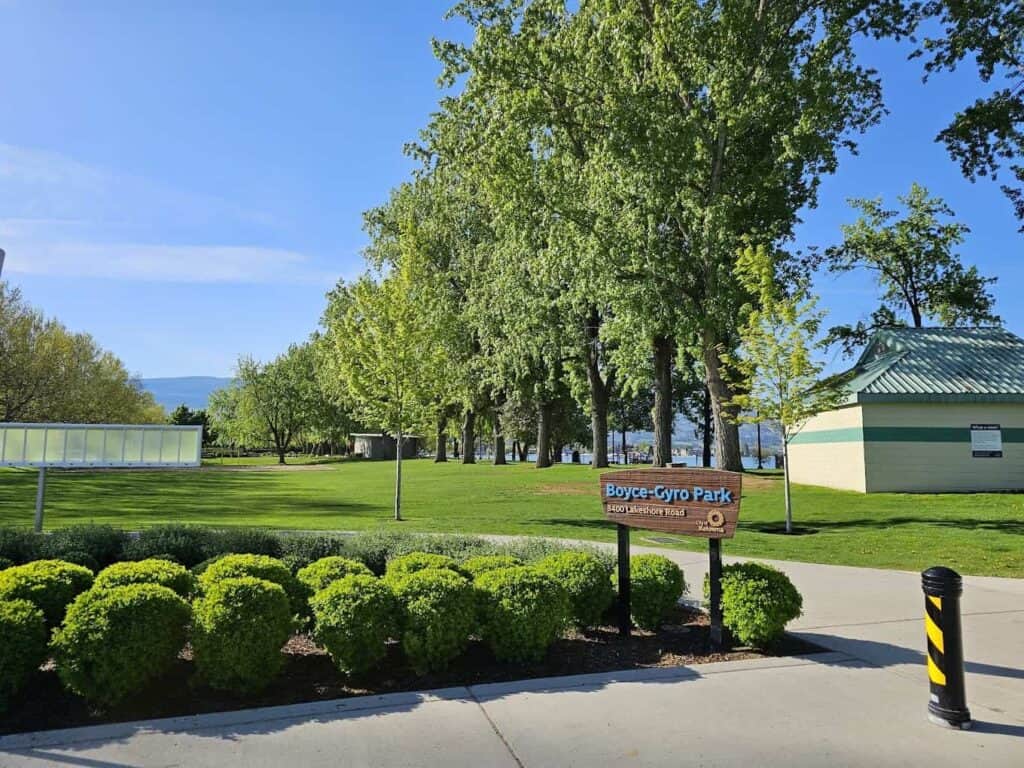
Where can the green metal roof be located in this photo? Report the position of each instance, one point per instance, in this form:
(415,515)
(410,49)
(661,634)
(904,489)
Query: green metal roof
(939,365)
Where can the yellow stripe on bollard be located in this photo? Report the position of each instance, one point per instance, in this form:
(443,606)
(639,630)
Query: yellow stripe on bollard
(935,674)
(934,634)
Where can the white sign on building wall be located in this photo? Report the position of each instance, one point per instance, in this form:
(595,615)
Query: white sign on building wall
(986,441)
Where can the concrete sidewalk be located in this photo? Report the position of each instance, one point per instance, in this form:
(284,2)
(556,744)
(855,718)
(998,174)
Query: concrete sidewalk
(861,705)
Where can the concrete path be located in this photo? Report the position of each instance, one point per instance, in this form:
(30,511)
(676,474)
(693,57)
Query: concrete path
(863,704)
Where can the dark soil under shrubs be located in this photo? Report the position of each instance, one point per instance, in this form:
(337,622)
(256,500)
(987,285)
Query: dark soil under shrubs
(309,675)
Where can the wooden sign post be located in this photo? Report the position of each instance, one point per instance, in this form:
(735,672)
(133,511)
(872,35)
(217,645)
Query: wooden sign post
(688,502)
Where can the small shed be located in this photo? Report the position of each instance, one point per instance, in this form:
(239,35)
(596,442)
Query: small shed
(927,410)
(371,445)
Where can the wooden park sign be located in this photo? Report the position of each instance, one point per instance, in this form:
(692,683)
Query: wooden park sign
(689,502)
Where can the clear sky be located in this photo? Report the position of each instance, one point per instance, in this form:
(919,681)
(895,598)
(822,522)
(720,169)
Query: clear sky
(185,180)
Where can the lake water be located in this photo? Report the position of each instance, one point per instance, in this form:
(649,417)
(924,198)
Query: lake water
(749,462)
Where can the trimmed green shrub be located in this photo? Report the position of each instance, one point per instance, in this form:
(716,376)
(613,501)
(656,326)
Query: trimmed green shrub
(239,626)
(153,571)
(353,619)
(200,568)
(406,565)
(524,612)
(101,545)
(757,602)
(20,545)
(49,584)
(260,567)
(23,639)
(5,563)
(114,641)
(438,616)
(320,574)
(294,563)
(656,584)
(587,582)
(476,566)
(246,541)
(164,556)
(189,544)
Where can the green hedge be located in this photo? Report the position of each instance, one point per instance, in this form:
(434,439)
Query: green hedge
(20,545)
(524,612)
(481,564)
(353,619)
(260,567)
(757,602)
(656,584)
(23,639)
(94,546)
(5,563)
(189,544)
(49,584)
(586,580)
(326,570)
(154,571)
(114,641)
(406,565)
(438,615)
(239,626)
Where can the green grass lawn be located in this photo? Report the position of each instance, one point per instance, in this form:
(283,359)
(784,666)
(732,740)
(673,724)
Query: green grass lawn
(976,534)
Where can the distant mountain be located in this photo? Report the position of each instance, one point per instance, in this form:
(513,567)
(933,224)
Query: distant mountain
(193,391)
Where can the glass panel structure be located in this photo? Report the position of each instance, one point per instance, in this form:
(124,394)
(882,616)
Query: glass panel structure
(99,445)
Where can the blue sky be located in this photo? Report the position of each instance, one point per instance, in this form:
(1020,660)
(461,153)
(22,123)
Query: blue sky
(185,180)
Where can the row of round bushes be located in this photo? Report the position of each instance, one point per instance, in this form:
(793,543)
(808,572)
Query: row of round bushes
(114,633)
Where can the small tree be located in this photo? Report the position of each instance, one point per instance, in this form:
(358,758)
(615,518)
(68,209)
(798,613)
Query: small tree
(782,379)
(386,357)
(280,394)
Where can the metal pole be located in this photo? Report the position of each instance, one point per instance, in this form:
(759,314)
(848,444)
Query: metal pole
(40,499)
(2,256)
(947,704)
(715,577)
(625,620)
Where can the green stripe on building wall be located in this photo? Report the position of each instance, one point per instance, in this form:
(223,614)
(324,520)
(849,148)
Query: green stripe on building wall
(899,435)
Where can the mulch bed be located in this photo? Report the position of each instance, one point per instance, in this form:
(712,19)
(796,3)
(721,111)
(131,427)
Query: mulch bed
(309,675)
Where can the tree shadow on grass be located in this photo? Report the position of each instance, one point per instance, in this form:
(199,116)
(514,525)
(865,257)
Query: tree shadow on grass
(1013,527)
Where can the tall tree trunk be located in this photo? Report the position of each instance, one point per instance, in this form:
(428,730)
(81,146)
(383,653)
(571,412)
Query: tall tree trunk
(442,440)
(599,393)
(625,456)
(662,401)
(455,447)
(708,429)
(727,431)
(544,436)
(499,441)
(469,438)
(398,476)
(524,451)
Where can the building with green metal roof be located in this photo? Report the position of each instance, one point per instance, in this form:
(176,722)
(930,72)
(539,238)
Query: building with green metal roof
(926,410)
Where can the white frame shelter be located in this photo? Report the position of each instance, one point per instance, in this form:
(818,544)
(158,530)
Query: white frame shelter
(97,446)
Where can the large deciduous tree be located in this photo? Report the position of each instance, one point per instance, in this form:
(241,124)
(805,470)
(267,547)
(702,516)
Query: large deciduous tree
(48,373)
(914,262)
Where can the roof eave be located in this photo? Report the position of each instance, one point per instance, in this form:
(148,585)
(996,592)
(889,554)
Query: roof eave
(938,397)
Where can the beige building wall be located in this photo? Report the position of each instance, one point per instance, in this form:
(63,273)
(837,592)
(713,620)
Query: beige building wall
(828,451)
(925,447)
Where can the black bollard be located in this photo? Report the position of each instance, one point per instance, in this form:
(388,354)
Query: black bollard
(947,705)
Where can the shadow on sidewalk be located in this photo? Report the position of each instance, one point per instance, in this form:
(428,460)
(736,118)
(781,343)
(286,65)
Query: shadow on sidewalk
(878,654)
(234,725)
